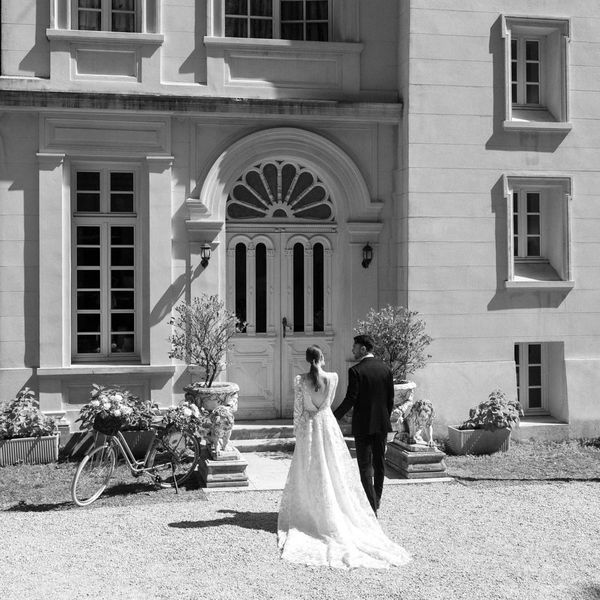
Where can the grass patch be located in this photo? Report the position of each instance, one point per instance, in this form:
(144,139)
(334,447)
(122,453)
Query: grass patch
(39,488)
(532,461)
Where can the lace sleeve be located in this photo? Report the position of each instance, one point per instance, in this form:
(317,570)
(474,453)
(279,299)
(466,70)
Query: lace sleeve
(298,401)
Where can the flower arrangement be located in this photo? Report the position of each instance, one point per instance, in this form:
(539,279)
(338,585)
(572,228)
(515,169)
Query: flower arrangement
(114,408)
(400,339)
(497,412)
(22,418)
(186,416)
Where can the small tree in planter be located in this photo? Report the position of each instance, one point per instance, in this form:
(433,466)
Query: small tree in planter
(400,339)
(26,434)
(202,332)
(488,427)
(400,342)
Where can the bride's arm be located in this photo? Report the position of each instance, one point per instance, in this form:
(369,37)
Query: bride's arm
(298,401)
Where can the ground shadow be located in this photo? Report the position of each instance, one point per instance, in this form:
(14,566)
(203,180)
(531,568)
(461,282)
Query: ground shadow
(265,521)
(23,506)
(463,479)
(592,592)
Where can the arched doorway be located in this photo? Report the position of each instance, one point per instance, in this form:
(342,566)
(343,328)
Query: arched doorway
(281,238)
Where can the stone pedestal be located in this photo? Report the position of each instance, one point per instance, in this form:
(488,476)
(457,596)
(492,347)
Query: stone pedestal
(415,461)
(225,469)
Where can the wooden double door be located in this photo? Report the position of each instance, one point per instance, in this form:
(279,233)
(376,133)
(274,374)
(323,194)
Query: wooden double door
(281,282)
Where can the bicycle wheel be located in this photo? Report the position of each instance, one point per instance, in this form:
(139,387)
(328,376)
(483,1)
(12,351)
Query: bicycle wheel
(92,475)
(174,458)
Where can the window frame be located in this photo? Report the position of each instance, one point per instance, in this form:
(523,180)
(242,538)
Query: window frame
(104,219)
(106,17)
(553,266)
(552,112)
(522,375)
(276,23)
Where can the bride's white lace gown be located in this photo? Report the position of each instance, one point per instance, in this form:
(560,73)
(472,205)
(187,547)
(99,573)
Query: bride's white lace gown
(325,517)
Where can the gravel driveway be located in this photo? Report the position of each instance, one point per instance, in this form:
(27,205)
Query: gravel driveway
(522,541)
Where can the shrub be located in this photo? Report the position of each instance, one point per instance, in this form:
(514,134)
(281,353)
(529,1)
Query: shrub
(400,339)
(22,417)
(497,412)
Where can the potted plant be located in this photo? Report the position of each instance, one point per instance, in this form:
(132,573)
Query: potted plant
(26,434)
(201,336)
(113,409)
(400,342)
(488,427)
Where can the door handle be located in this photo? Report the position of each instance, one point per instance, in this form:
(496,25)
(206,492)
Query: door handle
(285,325)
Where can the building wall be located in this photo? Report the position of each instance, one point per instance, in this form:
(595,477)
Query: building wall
(458,155)
(173,57)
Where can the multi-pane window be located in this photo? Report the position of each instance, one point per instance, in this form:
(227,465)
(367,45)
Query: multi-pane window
(106,15)
(105,269)
(527,224)
(529,362)
(525,63)
(285,19)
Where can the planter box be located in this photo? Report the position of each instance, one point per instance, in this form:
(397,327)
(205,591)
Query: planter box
(32,451)
(478,441)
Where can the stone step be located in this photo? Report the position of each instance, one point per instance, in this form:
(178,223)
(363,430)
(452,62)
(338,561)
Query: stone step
(261,430)
(544,428)
(275,444)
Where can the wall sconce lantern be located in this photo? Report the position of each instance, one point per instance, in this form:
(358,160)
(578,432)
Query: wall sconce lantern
(367,255)
(205,255)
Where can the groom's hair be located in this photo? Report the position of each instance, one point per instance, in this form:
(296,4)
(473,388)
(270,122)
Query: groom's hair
(366,341)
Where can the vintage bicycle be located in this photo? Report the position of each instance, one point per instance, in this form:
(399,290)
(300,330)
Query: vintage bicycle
(170,460)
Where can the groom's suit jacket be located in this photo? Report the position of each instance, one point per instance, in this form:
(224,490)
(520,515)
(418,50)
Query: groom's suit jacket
(371,394)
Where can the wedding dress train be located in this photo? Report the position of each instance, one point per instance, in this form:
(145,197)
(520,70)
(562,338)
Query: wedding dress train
(325,517)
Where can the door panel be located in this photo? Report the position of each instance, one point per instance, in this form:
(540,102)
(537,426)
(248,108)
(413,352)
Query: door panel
(274,276)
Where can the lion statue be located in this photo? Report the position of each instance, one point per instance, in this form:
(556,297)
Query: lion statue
(411,418)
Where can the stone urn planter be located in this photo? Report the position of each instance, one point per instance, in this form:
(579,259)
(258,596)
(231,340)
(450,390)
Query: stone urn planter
(31,451)
(218,394)
(478,441)
(402,392)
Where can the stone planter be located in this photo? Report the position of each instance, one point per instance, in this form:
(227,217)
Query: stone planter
(402,392)
(478,441)
(219,394)
(32,451)
(221,402)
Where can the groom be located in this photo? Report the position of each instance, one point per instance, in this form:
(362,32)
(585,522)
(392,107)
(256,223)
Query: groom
(371,394)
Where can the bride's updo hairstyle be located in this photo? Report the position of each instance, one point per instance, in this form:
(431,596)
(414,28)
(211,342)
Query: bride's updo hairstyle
(314,355)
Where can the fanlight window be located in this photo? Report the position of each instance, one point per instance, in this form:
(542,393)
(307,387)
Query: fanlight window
(278,190)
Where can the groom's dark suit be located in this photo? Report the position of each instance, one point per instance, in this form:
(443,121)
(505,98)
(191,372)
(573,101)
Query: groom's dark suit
(371,394)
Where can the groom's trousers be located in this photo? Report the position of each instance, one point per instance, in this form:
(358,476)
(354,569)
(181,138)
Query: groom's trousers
(370,455)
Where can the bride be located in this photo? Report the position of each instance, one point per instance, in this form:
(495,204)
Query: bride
(325,517)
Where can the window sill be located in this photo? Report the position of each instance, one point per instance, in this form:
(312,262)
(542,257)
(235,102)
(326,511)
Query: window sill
(534,120)
(282,45)
(104,369)
(536,274)
(103,37)
(538,285)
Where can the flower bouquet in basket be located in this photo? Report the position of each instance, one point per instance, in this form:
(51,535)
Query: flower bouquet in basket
(186,417)
(115,409)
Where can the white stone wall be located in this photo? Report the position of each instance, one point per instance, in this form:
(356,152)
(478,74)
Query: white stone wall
(458,153)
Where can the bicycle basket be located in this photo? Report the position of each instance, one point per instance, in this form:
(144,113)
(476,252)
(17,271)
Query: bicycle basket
(108,425)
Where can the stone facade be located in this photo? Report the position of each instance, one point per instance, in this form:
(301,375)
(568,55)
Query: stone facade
(404,117)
